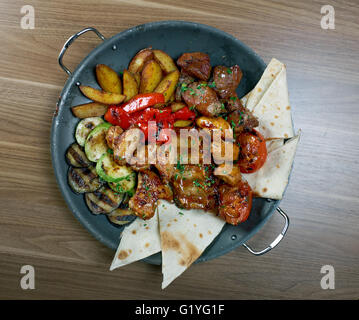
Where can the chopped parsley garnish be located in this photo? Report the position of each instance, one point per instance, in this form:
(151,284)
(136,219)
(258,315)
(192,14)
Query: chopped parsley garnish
(229,71)
(212,85)
(197,184)
(180,166)
(192,92)
(201,85)
(181,213)
(184,87)
(233,98)
(146,186)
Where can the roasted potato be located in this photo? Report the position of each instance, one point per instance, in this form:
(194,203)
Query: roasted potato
(151,76)
(182,123)
(165,61)
(130,86)
(229,174)
(168,84)
(102,96)
(172,98)
(175,106)
(138,61)
(137,77)
(88,110)
(218,150)
(108,79)
(213,123)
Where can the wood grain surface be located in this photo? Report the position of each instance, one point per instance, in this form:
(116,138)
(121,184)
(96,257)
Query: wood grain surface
(322,200)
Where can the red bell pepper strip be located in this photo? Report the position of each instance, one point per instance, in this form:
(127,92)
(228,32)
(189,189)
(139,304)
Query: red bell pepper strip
(163,136)
(163,114)
(116,116)
(142,101)
(183,114)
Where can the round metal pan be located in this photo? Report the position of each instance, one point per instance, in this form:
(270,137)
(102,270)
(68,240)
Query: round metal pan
(175,38)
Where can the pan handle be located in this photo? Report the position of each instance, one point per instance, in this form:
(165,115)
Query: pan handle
(276,241)
(69,42)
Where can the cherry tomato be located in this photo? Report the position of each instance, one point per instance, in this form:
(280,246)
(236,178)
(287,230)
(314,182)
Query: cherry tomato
(235,202)
(253,151)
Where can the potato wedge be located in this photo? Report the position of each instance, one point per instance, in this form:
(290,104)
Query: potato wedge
(182,123)
(175,106)
(102,96)
(165,61)
(167,86)
(108,79)
(138,61)
(137,77)
(172,98)
(214,123)
(88,110)
(130,86)
(151,76)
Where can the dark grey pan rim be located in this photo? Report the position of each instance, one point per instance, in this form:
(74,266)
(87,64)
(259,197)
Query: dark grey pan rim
(56,158)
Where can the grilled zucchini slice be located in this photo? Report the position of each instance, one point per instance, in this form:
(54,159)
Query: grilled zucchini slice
(121,216)
(120,178)
(96,145)
(84,128)
(83,180)
(76,157)
(103,200)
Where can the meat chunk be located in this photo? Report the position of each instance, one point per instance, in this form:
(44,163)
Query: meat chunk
(194,187)
(234,103)
(141,158)
(226,80)
(183,81)
(195,64)
(150,188)
(229,174)
(165,163)
(203,98)
(125,145)
(113,135)
(235,202)
(242,119)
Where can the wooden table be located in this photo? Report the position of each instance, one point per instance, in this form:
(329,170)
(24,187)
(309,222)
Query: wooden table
(38,229)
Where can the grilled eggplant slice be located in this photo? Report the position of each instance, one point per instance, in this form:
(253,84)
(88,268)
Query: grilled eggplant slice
(83,180)
(104,200)
(96,145)
(76,157)
(121,216)
(84,128)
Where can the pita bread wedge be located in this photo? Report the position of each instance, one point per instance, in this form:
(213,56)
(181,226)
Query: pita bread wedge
(273,144)
(185,234)
(244,99)
(273,110)
(271,180)
(138,241)
(270,73)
